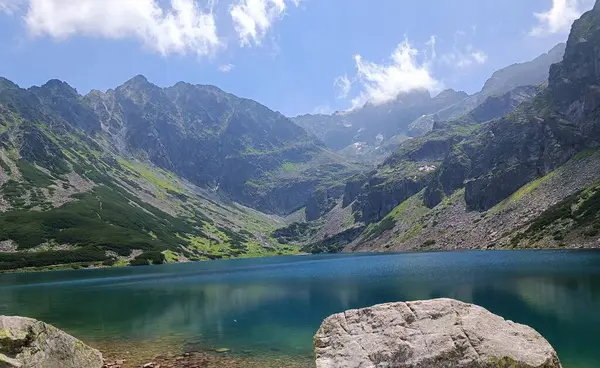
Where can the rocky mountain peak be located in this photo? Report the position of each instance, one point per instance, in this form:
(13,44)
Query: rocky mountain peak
(56,89)
(533,73)
(138,80)
(7,84)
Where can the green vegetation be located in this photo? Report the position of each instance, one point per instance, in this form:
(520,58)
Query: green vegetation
(578,211)
(411,214)
(335,243)
(103,218)
(5,167)
(295,232)
(149,258)
(289,167)
(375,230)
(410,233)
(585,153)
(34,176)
(522,192)
(400,210)
(528,188)
(170,256)
(41,259)
(429,243)
(153,176)
(13,192)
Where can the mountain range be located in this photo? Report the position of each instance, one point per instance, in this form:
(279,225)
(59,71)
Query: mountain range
(141,174)
(373,131)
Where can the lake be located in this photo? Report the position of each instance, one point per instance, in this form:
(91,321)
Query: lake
(272,307)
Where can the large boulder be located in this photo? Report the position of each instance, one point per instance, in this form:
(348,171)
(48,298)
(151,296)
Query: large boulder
(27,343)
(441,333)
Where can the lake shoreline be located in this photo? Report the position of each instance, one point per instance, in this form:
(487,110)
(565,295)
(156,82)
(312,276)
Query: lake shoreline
(207,360)
(267,310)
(96,265)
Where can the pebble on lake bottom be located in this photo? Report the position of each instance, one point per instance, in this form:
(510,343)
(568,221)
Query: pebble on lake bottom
(204,360)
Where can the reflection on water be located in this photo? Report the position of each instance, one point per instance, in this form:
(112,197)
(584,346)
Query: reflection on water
(274,306)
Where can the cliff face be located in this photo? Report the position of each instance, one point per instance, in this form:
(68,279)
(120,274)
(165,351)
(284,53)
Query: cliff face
(498,152)
(439,161)
(496,159)
(214,139)
(371,125)
(560,122)
(373,131)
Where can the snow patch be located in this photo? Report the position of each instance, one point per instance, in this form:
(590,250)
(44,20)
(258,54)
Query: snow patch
(427,168)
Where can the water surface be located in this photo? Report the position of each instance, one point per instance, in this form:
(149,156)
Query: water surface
(273,306)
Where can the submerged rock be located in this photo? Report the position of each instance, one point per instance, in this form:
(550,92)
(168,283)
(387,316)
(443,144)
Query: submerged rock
(27,343)
(441,333)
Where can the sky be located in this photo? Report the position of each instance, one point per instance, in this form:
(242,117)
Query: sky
(294,56)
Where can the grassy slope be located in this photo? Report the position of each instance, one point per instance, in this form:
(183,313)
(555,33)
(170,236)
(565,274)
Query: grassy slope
(125,208)
(558,210)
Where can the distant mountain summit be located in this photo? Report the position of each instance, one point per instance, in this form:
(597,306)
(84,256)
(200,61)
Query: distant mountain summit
(531,73)
(141,174)
(414,113)
(216,140)
(513,166)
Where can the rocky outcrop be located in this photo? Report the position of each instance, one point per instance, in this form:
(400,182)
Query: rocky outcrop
(213,139)
(27,343)
(561,121)
(504,141)
(322,200)
(439,162)
(334,243)
(373,124)
(534,72)
(530,73)
(574,83)
(440,333)
(252,154)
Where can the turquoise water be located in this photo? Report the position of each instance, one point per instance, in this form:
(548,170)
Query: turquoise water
(275,305)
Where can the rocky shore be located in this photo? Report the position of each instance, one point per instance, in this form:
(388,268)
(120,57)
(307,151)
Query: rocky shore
(439,333)
(208,360)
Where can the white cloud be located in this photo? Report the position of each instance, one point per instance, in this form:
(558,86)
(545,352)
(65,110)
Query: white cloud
(253,18)
(342,85)
(462,57)
(559,18)
(382,83)
(226,68)
(182,28)
(431,44)
(480,57)
(323,110)
(8,6)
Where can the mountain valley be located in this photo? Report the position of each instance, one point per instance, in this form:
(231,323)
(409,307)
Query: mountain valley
(141,174)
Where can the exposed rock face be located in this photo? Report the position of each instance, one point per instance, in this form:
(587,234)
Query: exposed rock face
(217,140)
(372,124)
(27,343)
(322,201)
(531,73)
(504,141)
(441,333)
(439,162)
(562,121)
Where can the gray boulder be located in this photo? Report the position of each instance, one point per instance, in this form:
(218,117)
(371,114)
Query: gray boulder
(441,333)
(27,343)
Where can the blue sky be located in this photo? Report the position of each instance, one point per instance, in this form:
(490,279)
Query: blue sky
(295,56)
